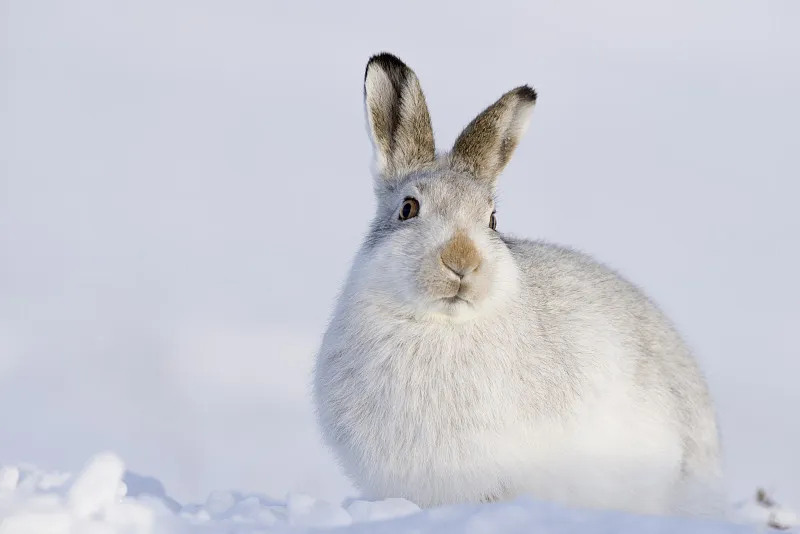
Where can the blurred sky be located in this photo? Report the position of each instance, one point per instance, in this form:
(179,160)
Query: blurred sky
(184,184)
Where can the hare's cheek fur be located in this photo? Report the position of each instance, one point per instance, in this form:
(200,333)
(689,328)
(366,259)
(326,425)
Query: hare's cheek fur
(413,272)
(487,289)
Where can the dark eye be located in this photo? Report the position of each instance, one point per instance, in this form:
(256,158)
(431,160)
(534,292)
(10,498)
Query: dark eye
(409,209)
(493,221)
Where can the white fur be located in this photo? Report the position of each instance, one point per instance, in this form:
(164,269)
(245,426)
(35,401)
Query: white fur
(557,378)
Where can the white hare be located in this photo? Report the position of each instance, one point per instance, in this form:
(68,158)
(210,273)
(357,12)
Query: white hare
(463,365)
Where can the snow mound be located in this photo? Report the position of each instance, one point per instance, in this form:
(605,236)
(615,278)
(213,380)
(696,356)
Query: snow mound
(104,499)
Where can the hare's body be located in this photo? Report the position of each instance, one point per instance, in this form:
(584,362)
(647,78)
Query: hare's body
(465,366)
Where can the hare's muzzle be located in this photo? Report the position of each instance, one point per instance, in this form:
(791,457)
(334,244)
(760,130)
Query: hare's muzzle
(460,255)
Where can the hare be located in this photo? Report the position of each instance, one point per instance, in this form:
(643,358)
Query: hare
(463,365)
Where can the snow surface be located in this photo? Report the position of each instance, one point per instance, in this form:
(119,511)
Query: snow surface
(105,499)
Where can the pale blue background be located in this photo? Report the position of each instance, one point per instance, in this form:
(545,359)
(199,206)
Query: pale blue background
(184,182)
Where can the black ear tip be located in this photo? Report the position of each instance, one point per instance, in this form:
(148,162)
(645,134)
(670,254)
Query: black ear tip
(526,92)
(386,61)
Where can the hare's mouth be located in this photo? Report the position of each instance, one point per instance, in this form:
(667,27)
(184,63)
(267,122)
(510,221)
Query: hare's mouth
(455,308)
(455,299)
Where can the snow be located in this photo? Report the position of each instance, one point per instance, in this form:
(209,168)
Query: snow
(104,498)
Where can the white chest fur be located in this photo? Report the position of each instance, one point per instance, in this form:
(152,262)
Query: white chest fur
(457,414)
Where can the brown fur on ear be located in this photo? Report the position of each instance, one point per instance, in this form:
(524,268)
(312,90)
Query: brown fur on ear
(485,146)
(398,118)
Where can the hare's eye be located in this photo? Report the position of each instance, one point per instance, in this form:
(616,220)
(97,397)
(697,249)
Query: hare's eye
(409,209)
(493,221)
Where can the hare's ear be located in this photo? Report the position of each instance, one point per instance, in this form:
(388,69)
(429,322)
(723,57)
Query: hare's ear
(397,117)
(485,146)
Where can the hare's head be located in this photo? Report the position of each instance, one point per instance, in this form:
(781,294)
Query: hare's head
(433,248)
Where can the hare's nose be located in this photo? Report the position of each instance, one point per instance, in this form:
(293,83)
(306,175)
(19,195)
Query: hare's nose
(460,255)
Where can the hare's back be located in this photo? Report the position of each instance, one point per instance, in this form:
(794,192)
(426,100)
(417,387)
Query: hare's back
(598,313)
(603,319)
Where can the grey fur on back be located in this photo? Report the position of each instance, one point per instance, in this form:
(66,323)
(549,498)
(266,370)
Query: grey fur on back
(464,365)
(677,378)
